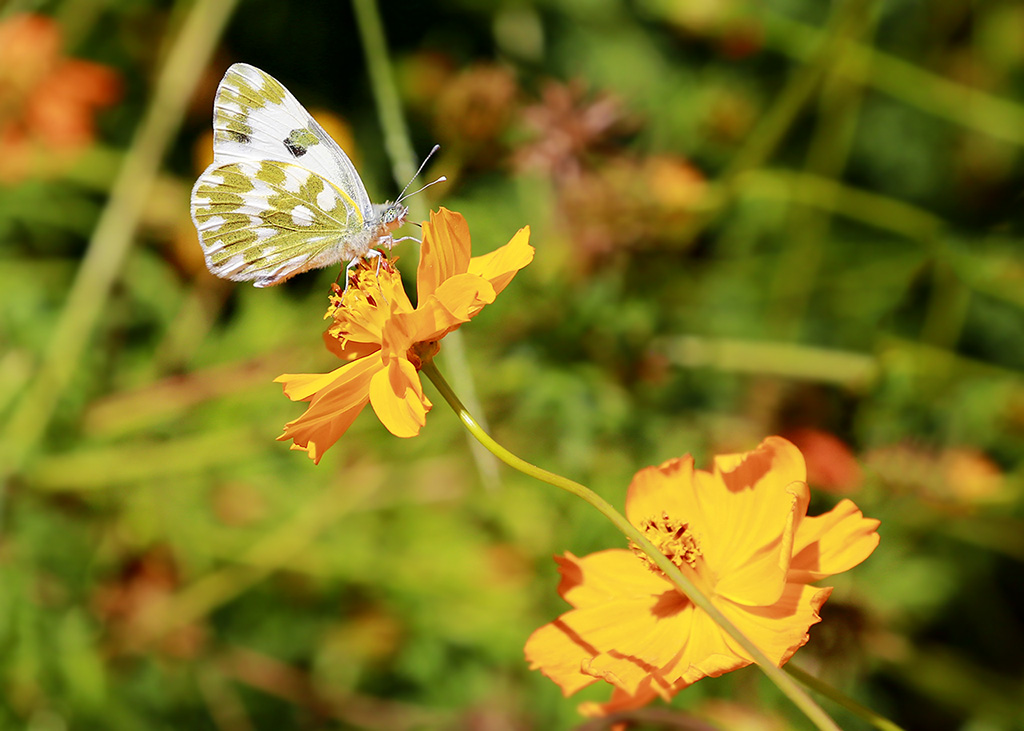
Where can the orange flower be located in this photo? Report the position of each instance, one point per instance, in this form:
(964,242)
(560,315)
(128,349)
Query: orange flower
(831,465)
(742,533)
(47,101)
(954,474)
(386,340)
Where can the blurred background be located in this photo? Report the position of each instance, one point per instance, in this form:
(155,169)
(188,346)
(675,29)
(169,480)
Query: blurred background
(785,217)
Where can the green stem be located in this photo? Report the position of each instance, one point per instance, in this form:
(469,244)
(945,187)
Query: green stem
(879,722)
(114,233)
(803,701)
(846,22)
(1000,118)
(800,262)
(385,93)
(403,166)
(835,197)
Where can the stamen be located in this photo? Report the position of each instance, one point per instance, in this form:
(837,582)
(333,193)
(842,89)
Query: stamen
(673,538)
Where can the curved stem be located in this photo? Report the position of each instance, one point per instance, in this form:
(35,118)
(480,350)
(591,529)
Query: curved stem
(114,234)
(385,93)
(915,86)
(846,23)
(879,722)
(403,166)
(685,584)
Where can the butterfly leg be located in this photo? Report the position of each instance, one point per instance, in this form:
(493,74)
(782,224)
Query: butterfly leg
(370,254)
(375,254)
(348,272)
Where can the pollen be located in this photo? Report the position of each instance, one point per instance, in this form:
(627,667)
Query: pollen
(670,536)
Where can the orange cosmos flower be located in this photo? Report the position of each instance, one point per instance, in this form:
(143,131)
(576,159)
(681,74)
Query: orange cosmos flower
(742,533)
(386,340)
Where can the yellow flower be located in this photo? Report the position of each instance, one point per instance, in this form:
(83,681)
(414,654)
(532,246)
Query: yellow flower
(385,340)
(742,533)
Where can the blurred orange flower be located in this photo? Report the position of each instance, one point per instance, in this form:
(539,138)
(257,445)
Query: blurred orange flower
(831,465)
(473,110)
(742,533)
(386,340)
(567,127)
(629,204)
(131,607)
(47,101)
(956,474)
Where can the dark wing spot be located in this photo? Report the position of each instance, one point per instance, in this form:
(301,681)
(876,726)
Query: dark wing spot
(299,141)
(239,137)
(296,148)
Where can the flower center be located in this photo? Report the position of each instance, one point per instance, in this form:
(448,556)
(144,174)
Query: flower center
(360,311)
(670,536)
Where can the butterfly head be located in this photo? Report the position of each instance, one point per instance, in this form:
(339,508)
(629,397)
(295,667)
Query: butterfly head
(389,216)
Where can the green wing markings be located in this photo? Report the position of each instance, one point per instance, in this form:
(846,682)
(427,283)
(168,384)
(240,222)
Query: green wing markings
(242,92)
(265,219)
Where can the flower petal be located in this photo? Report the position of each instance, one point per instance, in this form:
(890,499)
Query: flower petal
(304,386)
(396,395)
(754,501)
(621,642)
(632,622)
(830,543)
(445,251)
(623,701)
(501,265)
(708,652)
(454,303)
(336,398)
(779,630)
(606,576)
(350,350)
(668,488)
(465,295)
(361,313)
(559,653)
(635,638)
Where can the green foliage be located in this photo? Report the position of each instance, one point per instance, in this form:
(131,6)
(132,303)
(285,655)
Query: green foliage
(749,218)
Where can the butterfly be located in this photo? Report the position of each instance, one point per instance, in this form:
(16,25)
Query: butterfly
(281,197)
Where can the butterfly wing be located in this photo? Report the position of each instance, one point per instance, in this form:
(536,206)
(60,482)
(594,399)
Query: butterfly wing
(264,221)
(256,118)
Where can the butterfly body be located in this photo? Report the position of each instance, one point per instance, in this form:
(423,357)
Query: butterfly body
(281,197)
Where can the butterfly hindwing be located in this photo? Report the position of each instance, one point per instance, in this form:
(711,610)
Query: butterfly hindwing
(265,220)
(256,118)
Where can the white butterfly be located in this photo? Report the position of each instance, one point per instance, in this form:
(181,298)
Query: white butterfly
(281,197)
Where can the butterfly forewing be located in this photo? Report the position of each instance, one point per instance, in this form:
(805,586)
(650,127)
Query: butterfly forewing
(280,197)
(256,118)
(264,220)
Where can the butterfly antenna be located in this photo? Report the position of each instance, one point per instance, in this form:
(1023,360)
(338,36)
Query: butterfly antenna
(423,164)
(439,180)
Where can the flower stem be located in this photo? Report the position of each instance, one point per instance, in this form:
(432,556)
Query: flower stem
(400,151)
(876,720)
(115,233)
(803,701)
(385,93)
